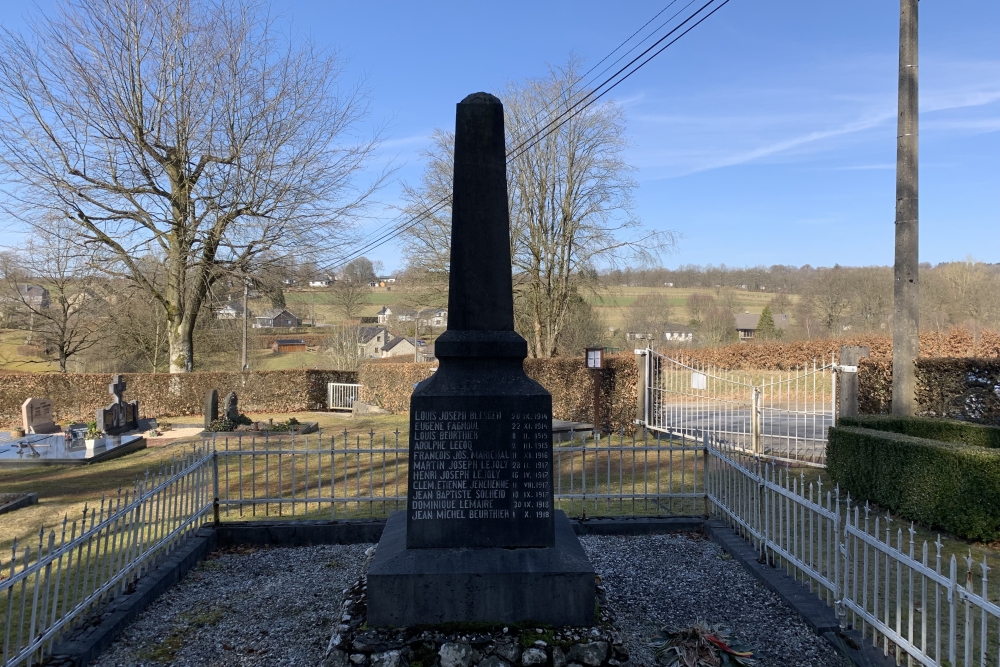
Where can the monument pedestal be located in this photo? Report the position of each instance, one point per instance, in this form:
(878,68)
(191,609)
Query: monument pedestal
(551,585)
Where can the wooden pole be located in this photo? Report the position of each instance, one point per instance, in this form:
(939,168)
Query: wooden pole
(905,296)
(847,389)
(596,374)
(245,361)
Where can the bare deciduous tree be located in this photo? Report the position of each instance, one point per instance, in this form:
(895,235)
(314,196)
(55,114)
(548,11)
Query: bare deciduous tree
(192,131)
(55,293)
(570,200)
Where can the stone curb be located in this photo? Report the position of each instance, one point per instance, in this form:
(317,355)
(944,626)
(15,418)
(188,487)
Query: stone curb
(806,604)
(85,644)
(298,533)
(304,533)
(23,501)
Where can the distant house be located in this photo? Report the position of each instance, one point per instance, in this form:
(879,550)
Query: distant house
(387,314)
(276,319)
(434,317)
(371,340)
(230,311)
(678,333)
(288,282)
(34,295)
(746,324)
(289,345)
(324,282)
(404,347)
(638,335)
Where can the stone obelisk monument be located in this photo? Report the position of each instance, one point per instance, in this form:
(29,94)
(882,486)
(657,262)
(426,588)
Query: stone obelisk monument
(480,539)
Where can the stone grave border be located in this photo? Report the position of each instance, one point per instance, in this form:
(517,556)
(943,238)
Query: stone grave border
(82,646)
(138,444)
(23,500)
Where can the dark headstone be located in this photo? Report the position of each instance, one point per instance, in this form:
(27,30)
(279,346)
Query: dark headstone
(232,407)
(121,416)
(211,406)
(480,520)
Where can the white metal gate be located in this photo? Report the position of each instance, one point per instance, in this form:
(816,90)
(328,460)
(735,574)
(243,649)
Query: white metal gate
(341,395)
(783,415)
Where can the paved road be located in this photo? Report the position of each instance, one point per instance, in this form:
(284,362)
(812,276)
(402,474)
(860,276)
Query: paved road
(784,434)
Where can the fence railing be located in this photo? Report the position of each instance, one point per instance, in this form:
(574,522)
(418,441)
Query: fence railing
(46,589)
(895,592)
(904,597)
(365,475)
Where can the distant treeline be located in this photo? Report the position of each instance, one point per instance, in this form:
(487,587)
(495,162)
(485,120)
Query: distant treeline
(835,299)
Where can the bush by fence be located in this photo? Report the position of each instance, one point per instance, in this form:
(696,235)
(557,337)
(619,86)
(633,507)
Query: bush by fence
(962,388)
(566,378)
(795,354)
(77,396)
(945,430)
(941,485)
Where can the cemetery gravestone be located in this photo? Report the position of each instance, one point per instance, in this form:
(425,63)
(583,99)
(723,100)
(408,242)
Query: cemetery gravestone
(36,416)
(211,406)
(480,540)
(120,416)
(232,407)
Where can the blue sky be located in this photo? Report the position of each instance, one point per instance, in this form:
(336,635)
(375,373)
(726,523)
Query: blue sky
(765,136)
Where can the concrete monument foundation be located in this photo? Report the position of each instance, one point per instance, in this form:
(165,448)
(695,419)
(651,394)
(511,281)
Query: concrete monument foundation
(551,585)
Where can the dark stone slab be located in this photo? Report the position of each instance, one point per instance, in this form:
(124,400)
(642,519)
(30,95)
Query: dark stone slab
(480,471)
(15,501)
(553,585)
(232,406)
(211,406)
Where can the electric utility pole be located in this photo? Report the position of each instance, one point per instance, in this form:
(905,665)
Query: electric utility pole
(906,288)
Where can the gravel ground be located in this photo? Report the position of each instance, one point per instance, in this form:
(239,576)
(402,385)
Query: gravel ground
(246,607)
(279,606)
(674,581)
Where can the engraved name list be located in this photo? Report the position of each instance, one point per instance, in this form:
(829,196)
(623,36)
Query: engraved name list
(475,465)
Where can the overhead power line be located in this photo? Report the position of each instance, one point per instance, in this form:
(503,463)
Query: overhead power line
(400,225)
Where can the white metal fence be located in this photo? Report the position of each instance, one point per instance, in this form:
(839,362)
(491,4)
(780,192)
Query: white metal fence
(783,415)
(365,475)
(76,568)
(906,598)
(341,395)
(898,593)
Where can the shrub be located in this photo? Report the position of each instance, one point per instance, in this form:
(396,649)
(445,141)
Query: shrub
(943,485)
(945,430)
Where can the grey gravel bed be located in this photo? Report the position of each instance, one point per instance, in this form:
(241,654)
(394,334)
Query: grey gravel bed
(676,580)
(262,607)
(279,606)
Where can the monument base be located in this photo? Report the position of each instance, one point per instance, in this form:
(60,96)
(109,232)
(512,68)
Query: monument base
(551,585)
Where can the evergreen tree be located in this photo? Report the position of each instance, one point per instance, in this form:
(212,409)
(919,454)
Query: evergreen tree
(765,326)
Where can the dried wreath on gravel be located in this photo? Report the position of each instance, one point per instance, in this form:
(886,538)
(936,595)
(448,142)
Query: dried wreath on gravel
(700,645)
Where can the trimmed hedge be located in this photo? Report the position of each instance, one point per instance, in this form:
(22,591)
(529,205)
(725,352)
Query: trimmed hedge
(942,485)
(945,430)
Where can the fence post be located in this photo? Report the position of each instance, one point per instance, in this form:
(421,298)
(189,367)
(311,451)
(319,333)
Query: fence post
(641,364)
(847,372)
(704,463)
(215,484)
(755,418)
